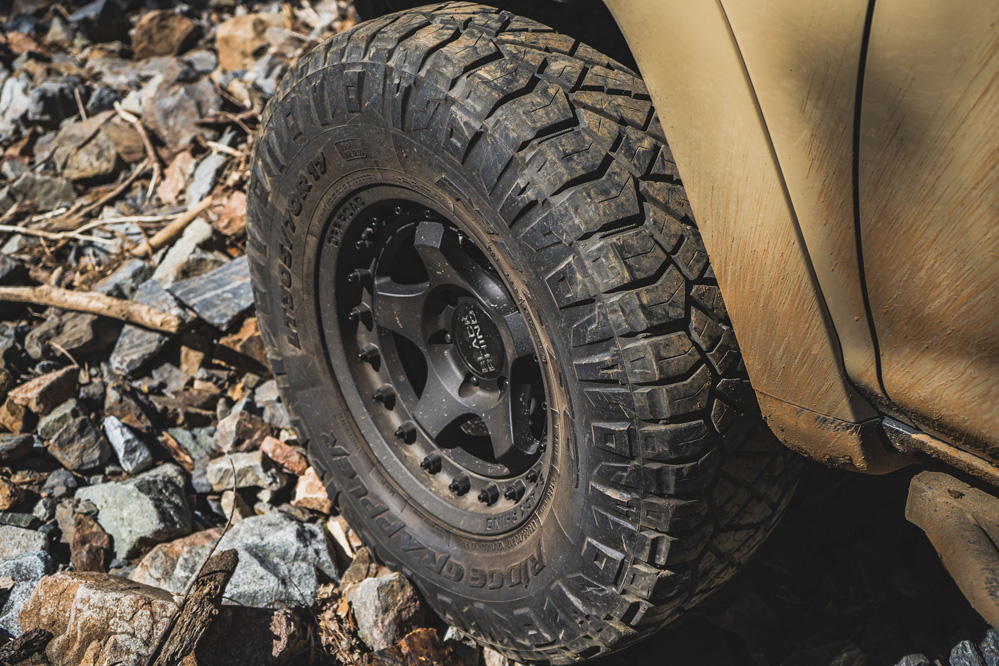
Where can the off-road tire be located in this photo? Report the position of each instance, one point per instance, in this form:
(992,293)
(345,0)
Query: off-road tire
(665,479)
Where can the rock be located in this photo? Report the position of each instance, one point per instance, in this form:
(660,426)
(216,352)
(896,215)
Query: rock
(172,110)
(60,483)
(148,509)
(14,103)
(240,431)
(250,637)
(221,296)
(203,179)
(280,560)
(14,447)
(362,567)
(989,647)
(17,519)
(55,100)
(252,471)
(15,418)
(311,494)
(914,660)
(421,646)
(90,546)
(97,619)
(137,345)
(175,178)
(232,217)
(122,402)
(44,509)
(42,394)
(135,457)
(82,150)
(289,457)
(124,282)
(463,646)
(184,259)
(171,565)
(77,333)
(16,541)
(46,192)
(12,271)
(965,654)
(26,571)
(162,33)
(240,39)
(50,425)
(198,442)
(385,609)
(101,21)
(102,99)
(234,507)
(10,494)
(80,446)
(244,349)
(493,658)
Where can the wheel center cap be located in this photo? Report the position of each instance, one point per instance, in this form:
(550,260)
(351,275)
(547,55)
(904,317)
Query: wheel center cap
(478,341)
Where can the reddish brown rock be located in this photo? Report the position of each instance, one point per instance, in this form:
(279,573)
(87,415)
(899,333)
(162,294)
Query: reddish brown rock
(422,646)
(42,394)
(175,178)
(97,619)
(232,218)
(16,418)
(241,431)
(162,33)
(289,457)
(10,495)
(244,348)
(311,494)
(90,545)
(171,565)
(240,39)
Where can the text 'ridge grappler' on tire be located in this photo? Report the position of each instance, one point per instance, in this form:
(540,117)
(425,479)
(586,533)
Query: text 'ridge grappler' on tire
(494,322)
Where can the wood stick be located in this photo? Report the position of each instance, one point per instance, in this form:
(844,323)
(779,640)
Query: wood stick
(54,235)
(95,303)
(199,608)
(172,230)
(26,645)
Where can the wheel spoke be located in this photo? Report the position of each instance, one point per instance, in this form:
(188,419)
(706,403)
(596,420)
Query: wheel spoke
(439,404)
(520,343)
(508,423)
(448,264)
(399,307)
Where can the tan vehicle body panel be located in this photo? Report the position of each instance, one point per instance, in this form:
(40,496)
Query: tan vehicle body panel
(758,101)
(929,203)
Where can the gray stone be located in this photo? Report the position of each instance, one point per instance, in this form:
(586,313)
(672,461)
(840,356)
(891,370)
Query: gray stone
(54,100)
(148,509)
(64,413)
(989,647)
(268,400)
(17,541)
(26,571)
(221,296)
(185,259)
(80,446)
(133,454)
(385,609)
(14,103)
(61,483)
(203,178)
(12,271)
(170,566)
(13,447)
(101,21)
(253,470)
(77,333)
(965,654)
(45,509)
(171,378)
(46,192)
(463,646)
(137,345)
(914,660)
(280,560)
(196,441)
(124,282)
(17,519)
(175,106)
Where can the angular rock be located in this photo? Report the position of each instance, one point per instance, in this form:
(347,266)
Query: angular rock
(50,425)
(16,541)
(137,345)
(80,446)
(42,394)
(310,493)
(232,217)
(250,637)
(148,509)
(185,259)
(10,495)
(15,418)
(133,454)
(162,33)
(234,507)
(44,509)
(241,431)
(89,546)
(123,403)
(244,349)
(198,442)
(26,571)
(76,333)
(46,192)
(462,646)
(97,619)
(989,647)
(203,179)
(60,483)
(17,519)
(241,39)
(102,99)
(101,20)
(253,470)
(965,653)
(385,609)
(14,103)
(219,297)
(181,99)
(54,100)
(171,565)
(175,178)
(12,271)
(421,646)
(124,282)
(289,457)
(14,447)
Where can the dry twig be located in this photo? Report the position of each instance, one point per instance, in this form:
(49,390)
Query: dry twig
(95,303)
(172,230)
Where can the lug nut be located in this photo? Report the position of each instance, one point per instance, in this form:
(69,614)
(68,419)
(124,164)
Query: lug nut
(474,381)
(514,492)
(489,494)
(532,476)
(431,464)
(460,485)
(368,354)
(360,313)
(359,275)
(367,233)
(406,432)
(362,244)
(447,337)
(384,394)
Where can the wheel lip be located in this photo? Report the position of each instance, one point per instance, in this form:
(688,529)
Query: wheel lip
(496,520)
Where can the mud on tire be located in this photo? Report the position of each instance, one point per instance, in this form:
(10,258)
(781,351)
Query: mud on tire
(661,479)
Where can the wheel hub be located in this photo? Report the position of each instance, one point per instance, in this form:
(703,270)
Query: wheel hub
(478,341)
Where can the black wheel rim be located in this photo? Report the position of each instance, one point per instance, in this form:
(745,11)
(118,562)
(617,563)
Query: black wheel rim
(440,359)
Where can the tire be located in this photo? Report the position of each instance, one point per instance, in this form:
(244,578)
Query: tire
(654,476)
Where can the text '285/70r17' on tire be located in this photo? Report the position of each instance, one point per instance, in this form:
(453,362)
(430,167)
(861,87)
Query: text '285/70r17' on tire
(493,320)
